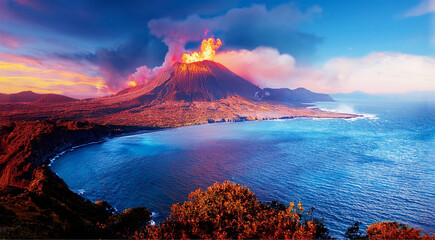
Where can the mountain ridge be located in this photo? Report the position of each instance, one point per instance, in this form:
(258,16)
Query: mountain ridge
(298,95)
(32,97)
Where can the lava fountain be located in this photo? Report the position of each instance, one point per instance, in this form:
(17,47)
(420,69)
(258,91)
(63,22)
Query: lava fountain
(208,51)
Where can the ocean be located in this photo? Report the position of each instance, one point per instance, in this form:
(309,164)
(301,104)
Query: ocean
(379,167)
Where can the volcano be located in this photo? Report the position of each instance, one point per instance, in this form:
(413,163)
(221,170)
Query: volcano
(183,94)
(203,81)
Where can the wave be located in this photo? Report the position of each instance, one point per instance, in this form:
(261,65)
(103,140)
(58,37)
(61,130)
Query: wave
(347,108)
(153,216)
(80,191)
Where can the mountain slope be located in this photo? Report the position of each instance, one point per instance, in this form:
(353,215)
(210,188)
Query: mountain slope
(204,81)
(199,81)
(25,96)
(31,97)
(299,95)
(54,98)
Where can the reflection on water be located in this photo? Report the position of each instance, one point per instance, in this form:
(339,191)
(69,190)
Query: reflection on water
(370,169)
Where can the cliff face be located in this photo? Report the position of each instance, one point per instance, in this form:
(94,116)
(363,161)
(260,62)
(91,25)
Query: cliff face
(34,202)
(27,147)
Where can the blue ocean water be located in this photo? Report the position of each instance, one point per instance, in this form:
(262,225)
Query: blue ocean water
(380,167)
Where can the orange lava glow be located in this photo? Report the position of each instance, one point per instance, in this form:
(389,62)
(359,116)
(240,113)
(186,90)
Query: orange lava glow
(208,51)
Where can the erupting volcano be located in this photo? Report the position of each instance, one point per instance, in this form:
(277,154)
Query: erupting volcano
(197,78)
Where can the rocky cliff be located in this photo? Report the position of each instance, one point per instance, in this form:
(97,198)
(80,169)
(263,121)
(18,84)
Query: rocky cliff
(34,202)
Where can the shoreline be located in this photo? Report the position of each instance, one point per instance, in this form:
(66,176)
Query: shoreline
(51,160)
(139,132)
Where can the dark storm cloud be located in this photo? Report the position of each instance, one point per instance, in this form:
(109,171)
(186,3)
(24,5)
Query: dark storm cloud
(102,18)
(247,28)
(117,63)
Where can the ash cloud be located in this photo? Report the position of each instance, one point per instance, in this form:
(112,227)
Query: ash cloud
(102,19)
(245,28)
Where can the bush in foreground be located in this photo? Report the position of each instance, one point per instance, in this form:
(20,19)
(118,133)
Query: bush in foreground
(386,230)
(394,230)
(229,210)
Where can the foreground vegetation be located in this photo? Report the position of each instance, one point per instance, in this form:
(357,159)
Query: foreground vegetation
(231,211)
(223,211)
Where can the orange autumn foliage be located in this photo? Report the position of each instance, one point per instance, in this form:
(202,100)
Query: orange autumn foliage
(394,230)
(229,210)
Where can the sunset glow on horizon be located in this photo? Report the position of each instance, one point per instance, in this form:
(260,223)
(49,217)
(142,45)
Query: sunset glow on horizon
(22,74)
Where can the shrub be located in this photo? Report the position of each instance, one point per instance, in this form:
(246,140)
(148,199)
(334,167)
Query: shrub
(394,230)
(231,211)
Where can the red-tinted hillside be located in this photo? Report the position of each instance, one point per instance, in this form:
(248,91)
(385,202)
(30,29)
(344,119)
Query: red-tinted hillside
(54,98)
(198,81)
(203,81)
(29,96)
(26,96)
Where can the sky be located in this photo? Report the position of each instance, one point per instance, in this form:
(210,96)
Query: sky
(91,48)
